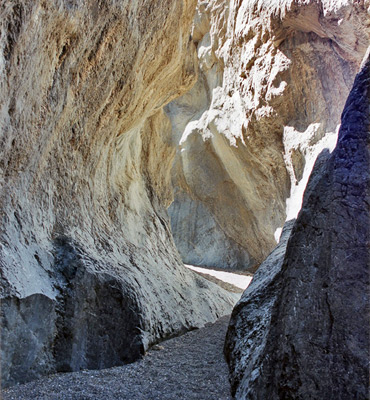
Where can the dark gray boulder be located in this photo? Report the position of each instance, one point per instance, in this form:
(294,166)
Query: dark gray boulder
(306,334)
(251,319)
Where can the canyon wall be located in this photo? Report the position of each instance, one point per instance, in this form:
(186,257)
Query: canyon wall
(90,276)
(301,330)
(273,79)
(94,98)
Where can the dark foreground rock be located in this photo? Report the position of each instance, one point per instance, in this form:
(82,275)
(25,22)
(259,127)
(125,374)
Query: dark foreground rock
(308,338)
(251,318)
(190,367)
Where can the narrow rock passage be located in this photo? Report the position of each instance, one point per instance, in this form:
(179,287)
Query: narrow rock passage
(190,367)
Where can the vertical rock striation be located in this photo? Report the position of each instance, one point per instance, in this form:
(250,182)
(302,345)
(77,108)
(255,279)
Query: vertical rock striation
(316,341)
(273,79)
(90,276)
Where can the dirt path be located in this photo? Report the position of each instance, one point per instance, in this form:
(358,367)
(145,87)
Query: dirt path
(188,367)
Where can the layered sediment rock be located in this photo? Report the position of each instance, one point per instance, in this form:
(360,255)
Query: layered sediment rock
(90,276)
(273,79)
(306,334)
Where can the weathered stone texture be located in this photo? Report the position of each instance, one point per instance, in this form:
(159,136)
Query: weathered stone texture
(250,322)
(316,341)
(273,79)
(90,276)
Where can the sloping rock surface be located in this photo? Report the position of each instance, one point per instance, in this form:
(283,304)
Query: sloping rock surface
(90,276)
(250,323)
(316,341)
(273,79)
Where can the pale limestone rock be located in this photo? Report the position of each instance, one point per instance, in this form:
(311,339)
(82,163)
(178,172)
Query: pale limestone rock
(89,273)
(273,79)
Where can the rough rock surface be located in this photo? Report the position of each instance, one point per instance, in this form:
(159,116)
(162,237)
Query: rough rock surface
(273,79)
(251,318)
(90,276)
(315,344)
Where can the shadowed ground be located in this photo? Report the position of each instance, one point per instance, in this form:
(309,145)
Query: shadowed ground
(188,367)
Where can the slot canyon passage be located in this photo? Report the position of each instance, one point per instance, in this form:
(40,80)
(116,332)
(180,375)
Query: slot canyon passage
(137,136)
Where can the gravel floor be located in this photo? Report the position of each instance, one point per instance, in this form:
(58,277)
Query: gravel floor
(187,367)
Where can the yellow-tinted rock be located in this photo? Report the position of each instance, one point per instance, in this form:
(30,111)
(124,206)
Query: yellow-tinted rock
(89,273)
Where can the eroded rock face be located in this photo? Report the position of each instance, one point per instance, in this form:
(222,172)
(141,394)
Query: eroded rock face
(250,323)
(314,341)
(90,276)
(273,79)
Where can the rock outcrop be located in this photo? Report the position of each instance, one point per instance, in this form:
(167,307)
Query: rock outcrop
(273,79)
(251,318)
(304,334)
(90,276)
